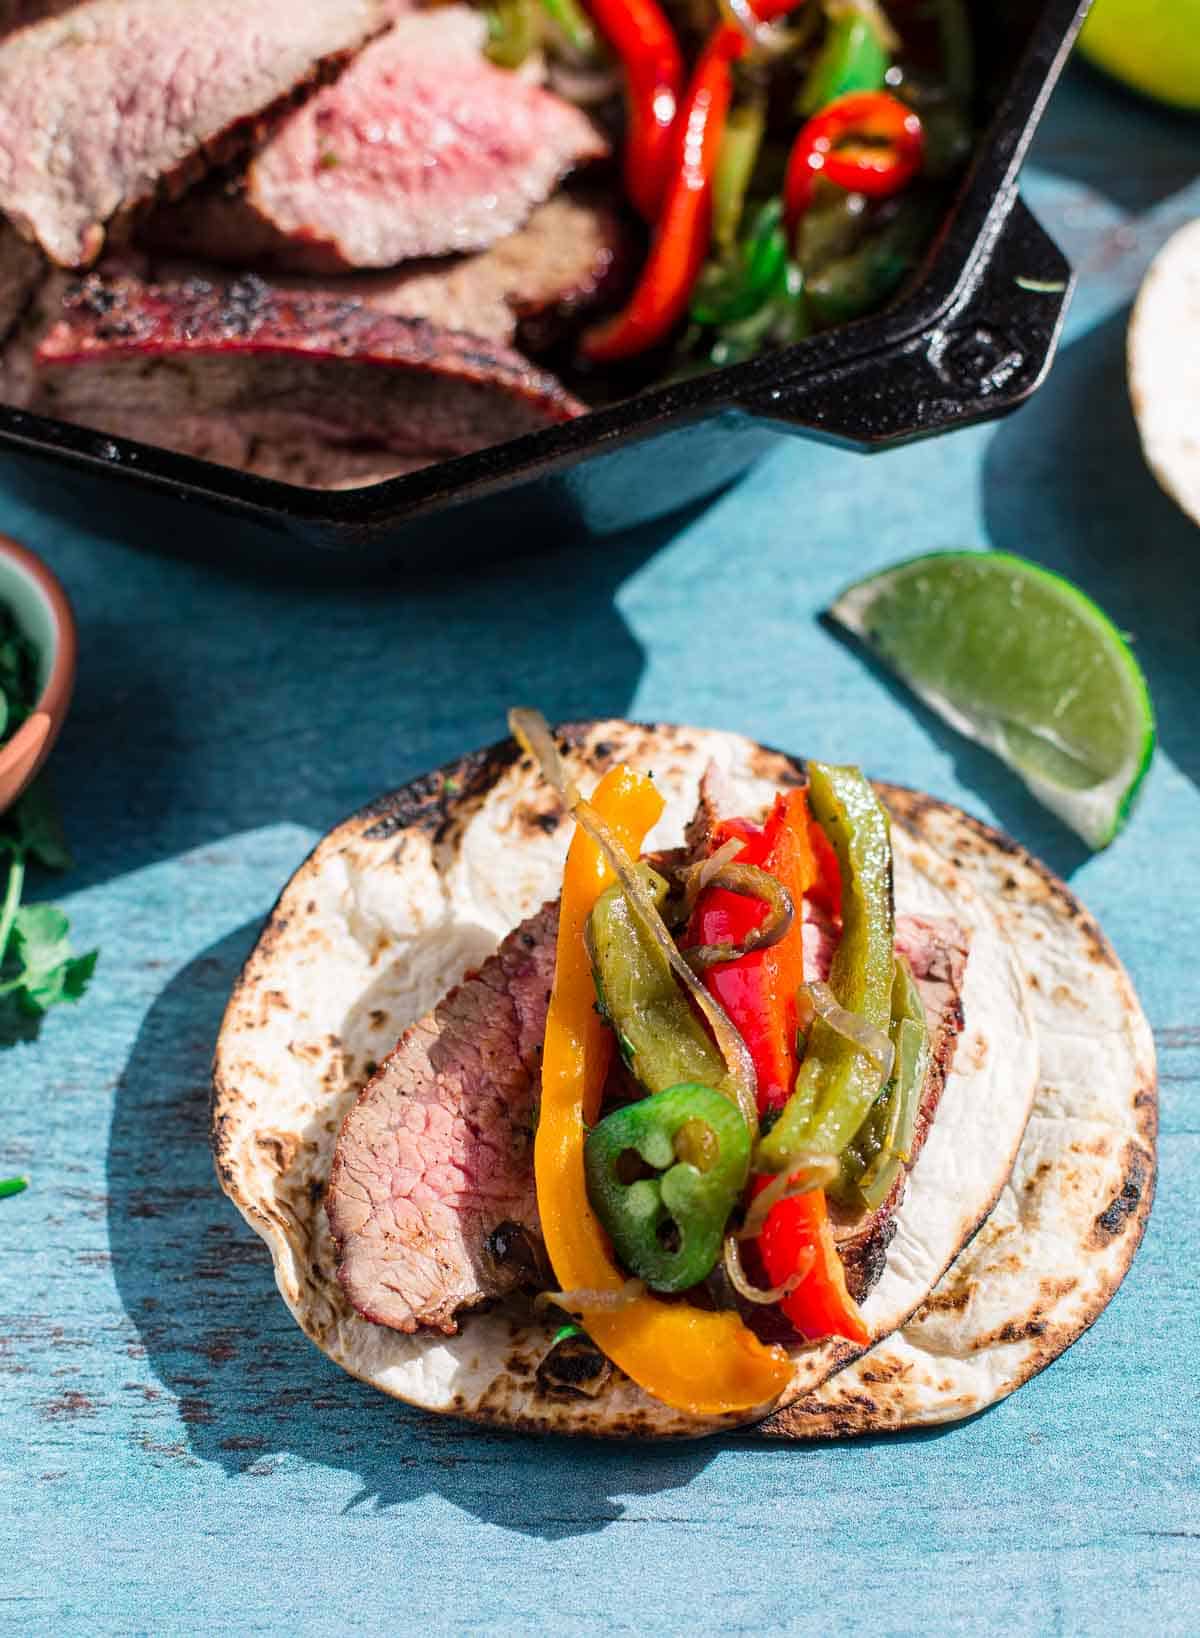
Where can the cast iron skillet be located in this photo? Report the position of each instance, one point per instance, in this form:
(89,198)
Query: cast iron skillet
(972,335)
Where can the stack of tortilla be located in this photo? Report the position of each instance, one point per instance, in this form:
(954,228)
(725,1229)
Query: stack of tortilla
(1021,1214)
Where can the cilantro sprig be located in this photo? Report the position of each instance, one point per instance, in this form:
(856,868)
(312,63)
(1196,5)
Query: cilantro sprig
(38,968)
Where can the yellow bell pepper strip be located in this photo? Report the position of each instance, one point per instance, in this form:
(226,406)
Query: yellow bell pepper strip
(698,1362)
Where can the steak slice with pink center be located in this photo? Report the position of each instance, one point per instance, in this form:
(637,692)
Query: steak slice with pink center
(437,1154)
(573,252)
(421,148)
(112,100)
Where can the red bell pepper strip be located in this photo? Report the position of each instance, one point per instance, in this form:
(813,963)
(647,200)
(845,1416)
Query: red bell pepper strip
(644,40)
(758,990)
(769,11)
(795,1231)
(866,142)
(681,238)
(684,226)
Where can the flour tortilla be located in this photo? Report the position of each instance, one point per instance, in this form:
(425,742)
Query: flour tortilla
(1066,1227)
(1164,367)
(386,915)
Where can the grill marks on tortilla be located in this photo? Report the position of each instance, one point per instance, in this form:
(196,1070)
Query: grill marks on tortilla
(197,365)
(113,99)
(437,1154)
(438,1151)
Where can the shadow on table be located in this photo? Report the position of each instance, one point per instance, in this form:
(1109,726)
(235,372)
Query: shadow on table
(1065,483)
(250,1391)
(1086,103)
(242,704)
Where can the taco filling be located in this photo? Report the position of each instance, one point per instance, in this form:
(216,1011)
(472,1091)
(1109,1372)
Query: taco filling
(678,1107)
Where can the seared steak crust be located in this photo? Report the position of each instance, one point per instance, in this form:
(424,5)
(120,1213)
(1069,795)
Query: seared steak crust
(105,103)
(571,253)
(197,365)
(437,1153)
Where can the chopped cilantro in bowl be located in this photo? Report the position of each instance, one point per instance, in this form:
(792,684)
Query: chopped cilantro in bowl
(37,965)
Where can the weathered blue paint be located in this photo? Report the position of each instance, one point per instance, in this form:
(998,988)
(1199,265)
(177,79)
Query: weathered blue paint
(174,1457)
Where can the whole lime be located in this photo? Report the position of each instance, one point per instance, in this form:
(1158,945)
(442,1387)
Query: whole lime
(1153,45)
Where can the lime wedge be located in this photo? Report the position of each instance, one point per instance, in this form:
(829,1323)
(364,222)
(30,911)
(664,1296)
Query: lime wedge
(1021,661)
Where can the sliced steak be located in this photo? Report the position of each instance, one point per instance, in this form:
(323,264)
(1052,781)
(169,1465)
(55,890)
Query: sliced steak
(572,252)
(20,13)
(437,1154)
(21,269)
(222,370)
(104,104)
(421,148)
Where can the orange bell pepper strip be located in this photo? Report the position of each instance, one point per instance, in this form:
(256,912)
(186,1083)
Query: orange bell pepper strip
(698,1362)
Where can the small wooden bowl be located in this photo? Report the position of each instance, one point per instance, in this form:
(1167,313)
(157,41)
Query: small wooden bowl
(41,609)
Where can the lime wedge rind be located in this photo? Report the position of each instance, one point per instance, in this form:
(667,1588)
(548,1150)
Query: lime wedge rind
(1095,811)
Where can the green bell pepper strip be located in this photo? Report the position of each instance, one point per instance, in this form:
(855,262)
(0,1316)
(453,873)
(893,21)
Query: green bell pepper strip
(849,286)
(958,48)
(572,23)
(513,32)
(870,1164)
(667,1227)
(759,300)
(912,1060)
(837,1084)
(852,58)
(661,1038)
(728,292)
(832,228)
(740,144)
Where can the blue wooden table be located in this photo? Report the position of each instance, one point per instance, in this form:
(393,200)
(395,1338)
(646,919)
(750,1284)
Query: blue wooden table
(174,1456)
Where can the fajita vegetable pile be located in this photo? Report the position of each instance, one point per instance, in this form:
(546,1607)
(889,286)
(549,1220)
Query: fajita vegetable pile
(709,1066)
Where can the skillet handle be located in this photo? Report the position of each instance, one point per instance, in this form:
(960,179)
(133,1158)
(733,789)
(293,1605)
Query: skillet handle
(982,357)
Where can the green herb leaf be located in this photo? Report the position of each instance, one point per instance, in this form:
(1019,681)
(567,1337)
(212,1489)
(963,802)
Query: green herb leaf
(40,969)
(34,825)
(19,685)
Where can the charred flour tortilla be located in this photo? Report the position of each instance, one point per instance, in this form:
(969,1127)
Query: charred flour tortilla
(389,912)
(1065,1229)
(1164,367)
